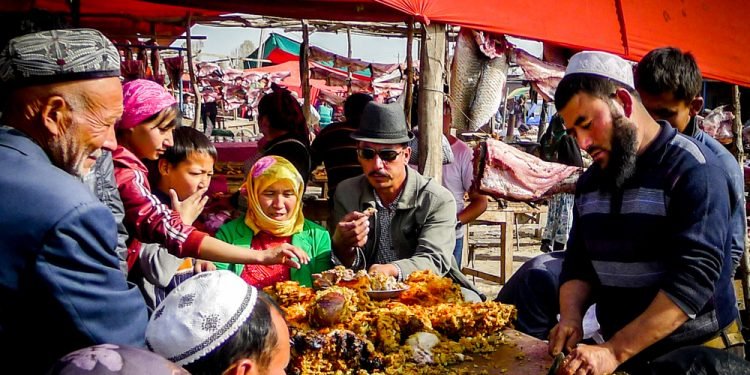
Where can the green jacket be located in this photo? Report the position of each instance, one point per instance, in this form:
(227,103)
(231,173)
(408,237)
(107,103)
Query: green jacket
(422,230)
(314,240)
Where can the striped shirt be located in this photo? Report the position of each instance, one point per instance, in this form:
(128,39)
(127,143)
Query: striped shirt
(385,252)
(666,228)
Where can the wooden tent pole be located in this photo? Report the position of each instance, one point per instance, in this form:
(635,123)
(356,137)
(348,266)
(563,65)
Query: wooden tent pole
(75,12)
(349,42)
(432,66)
(180,87)
(543,123)
(409,91)
(349,55)
(260,55)
(191,72)
(737,125)
(304,71)
(744,268)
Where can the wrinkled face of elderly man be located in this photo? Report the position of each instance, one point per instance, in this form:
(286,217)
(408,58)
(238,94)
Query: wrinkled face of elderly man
(77,120)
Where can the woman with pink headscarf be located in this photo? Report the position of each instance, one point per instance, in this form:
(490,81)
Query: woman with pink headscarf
(145,132)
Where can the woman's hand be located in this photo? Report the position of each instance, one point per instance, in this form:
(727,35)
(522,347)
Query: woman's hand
(285,254)
(191,207)
(203,266)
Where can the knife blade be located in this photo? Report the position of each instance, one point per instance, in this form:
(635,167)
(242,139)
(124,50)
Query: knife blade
(556,363)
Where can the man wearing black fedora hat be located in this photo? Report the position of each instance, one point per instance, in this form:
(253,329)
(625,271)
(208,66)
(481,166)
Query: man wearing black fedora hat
(413,225)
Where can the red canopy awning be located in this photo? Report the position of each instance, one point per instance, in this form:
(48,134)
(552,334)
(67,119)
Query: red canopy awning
(716,32)
(121,19)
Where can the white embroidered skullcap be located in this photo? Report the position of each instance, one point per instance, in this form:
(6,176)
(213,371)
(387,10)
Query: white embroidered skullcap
(57,56)
(200,315)
(604,65)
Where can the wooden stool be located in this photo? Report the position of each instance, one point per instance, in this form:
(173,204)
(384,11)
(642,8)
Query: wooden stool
(492,222)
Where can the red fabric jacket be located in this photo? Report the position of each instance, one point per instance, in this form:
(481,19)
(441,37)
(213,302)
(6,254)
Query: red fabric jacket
(146,219)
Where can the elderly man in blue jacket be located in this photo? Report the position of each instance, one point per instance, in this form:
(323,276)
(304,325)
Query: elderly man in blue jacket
(60,284)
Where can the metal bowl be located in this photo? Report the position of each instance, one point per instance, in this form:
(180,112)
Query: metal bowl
(385,294)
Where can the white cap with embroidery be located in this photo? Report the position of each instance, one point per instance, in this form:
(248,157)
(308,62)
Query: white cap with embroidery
(200,315)
(602,64)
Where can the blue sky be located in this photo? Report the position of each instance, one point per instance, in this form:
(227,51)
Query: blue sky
(222,40)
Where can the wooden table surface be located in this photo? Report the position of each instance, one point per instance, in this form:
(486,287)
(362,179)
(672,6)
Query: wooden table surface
(525,355)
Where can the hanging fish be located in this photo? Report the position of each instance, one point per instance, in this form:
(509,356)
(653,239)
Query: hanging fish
(465,70)
(478,76)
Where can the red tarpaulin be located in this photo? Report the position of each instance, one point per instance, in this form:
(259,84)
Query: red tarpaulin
(715,31)
(120,19)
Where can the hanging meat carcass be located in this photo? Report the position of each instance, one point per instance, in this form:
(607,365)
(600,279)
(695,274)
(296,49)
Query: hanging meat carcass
(478,75)
(506,172)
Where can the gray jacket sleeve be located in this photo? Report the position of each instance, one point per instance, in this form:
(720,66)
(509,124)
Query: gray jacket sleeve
(436,238)
(157,264)
(101,181)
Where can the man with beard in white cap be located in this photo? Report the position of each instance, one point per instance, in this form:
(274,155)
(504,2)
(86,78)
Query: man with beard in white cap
(651,238)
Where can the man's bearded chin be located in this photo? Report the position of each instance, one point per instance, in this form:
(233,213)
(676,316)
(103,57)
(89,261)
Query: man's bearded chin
(622,159)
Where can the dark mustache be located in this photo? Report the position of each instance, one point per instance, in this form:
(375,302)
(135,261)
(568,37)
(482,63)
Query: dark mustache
(379,174)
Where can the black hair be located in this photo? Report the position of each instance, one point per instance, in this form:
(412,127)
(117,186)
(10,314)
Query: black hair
(255,339)
(596,86)
(283,112)
(187,141)
(354,105)
(666,70)
(176,122)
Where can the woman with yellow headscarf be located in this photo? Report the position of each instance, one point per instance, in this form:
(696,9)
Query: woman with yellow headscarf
(274,216)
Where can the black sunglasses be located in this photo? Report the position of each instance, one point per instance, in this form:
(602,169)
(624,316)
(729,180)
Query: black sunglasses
(385,154)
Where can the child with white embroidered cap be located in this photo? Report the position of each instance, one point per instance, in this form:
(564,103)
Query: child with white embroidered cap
(215,323)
